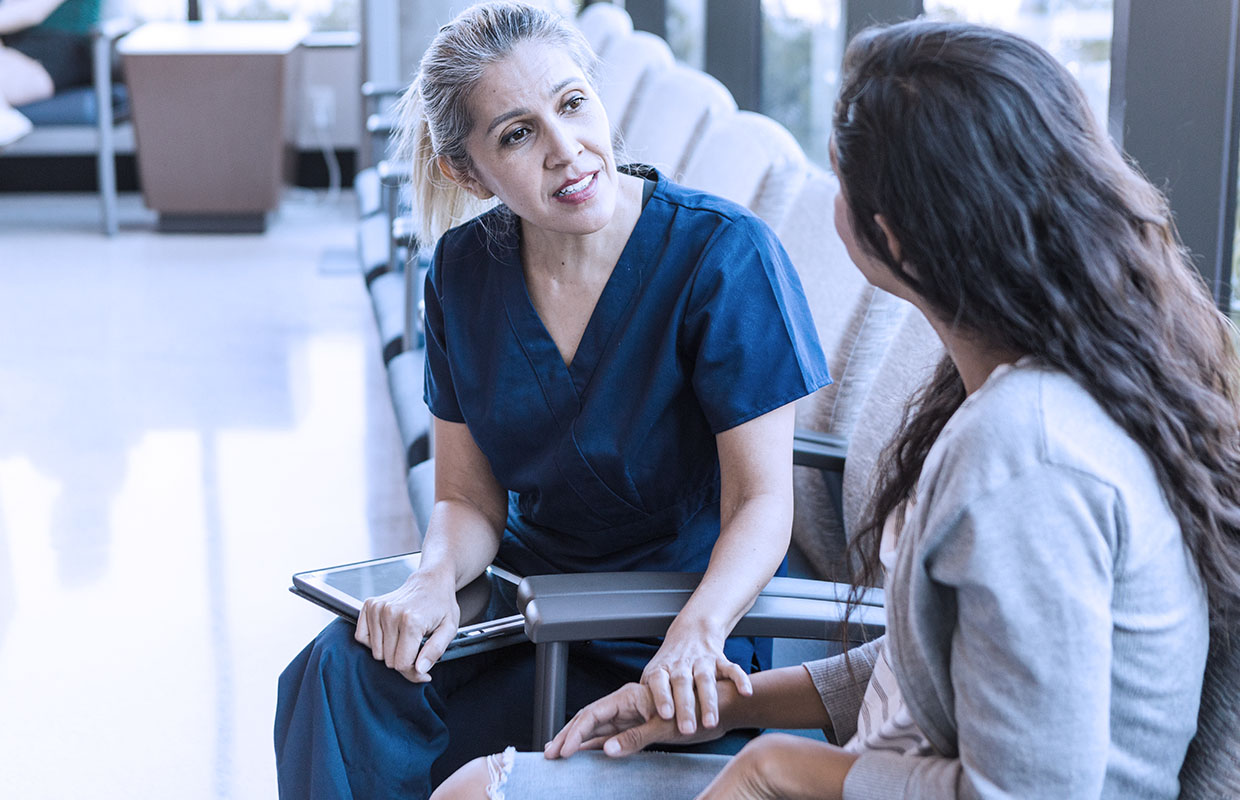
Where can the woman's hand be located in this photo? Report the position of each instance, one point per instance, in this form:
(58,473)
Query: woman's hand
(394,624)
(683,674)
(620,724)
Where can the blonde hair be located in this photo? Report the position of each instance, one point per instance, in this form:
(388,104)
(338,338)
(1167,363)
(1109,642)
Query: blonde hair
(434,113)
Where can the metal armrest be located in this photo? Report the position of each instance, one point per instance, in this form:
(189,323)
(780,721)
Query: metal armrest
(382,124)
(383,89)
(393,172)
(559,609)
(819,450)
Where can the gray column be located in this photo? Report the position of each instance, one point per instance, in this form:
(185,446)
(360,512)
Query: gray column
(860,14)
(648,15)
(734,48)
(1173,108)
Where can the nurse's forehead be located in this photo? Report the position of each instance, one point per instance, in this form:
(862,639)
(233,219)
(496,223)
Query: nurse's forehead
(533,71)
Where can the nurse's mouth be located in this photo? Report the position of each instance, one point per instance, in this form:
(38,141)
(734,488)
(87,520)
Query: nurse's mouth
(579,190)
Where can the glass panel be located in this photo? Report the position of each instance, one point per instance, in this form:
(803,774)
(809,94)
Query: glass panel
(1077,32)
(686,31)
(322,15)
(802,46)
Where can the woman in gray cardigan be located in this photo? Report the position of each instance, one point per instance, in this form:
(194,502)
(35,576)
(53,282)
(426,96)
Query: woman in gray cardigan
(1059,518)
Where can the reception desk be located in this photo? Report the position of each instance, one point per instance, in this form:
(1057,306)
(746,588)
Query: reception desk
(211,103)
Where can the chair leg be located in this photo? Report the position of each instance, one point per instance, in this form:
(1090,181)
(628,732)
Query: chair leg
(550,682)
(106,157)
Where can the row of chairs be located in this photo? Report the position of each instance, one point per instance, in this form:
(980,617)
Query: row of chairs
(879,351)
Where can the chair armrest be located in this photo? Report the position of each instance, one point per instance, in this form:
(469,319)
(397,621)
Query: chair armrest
(383,89)
(615,605)
(393,172)
(819,450)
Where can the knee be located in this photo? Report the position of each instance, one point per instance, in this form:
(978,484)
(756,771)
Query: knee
(470,782)
(333,651)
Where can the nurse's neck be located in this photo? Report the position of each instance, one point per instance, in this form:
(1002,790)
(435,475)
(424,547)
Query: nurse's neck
(576,258)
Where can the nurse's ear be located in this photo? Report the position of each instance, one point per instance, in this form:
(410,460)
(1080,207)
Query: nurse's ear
(463,179)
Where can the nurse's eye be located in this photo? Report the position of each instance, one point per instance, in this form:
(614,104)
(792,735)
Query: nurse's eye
(575,102)
(515,136)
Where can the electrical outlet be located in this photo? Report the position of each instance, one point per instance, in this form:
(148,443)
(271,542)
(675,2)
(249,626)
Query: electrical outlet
(322,106)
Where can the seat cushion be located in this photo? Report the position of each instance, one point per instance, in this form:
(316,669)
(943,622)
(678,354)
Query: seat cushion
(75,106)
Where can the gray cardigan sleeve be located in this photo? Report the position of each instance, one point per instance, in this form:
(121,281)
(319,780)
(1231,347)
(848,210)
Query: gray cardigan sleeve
(1020,582)
(841,691)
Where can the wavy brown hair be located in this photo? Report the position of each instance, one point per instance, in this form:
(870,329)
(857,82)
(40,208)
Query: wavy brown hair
(1020,222)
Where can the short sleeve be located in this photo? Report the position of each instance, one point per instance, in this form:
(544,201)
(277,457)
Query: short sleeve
(754,344)
(439,392)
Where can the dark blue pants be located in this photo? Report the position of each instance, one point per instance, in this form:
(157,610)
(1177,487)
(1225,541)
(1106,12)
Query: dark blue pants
(349,727)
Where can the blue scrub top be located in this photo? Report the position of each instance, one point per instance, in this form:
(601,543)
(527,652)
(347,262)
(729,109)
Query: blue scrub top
(611,463)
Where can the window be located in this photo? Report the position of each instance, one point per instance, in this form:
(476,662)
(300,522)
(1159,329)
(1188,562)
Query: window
(802,46)
(686,31)
(1077,32)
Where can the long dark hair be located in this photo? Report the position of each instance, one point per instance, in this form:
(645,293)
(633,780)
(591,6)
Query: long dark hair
(1021,223)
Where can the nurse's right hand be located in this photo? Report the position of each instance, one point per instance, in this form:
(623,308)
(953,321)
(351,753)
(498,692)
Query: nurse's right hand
(395,624)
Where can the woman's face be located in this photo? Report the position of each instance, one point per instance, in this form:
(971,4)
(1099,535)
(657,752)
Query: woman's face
(541,141)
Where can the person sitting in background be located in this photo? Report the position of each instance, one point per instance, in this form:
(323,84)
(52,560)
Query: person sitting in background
(1058,517)
(611,362)
(44,47)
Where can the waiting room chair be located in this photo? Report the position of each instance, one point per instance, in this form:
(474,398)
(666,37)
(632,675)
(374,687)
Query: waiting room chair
(602,23)
(630,59)
(669,116)
(749,159)
(1212,767)
(87,120)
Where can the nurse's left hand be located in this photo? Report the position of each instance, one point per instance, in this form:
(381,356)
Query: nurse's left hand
(682,675)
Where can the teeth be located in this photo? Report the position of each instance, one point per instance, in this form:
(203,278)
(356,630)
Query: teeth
(573,188)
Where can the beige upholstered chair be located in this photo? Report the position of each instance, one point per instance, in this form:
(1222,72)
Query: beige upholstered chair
(750,159)
(601,23)
(670,114)
(630,60)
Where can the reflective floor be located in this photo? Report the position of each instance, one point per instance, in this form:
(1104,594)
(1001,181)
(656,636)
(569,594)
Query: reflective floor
(184,422)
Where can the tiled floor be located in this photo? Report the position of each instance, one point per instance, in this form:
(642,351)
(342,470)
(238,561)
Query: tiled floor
(184,422)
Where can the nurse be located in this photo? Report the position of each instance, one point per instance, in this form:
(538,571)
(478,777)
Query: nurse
(611,363)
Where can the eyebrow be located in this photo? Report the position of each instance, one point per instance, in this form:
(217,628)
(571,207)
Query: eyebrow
(517,112)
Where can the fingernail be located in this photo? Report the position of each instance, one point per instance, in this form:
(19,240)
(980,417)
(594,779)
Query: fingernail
(709,720)
(611,747)
(423,665)
(665,712)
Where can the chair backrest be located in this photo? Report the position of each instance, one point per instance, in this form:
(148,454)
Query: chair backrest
(669,114)
(1212,767)
(742,154)
(601,23)
(629,59)
(903,363)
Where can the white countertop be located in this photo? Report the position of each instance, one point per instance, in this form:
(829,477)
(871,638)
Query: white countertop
(227,38)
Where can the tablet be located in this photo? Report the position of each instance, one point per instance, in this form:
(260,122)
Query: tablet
(488,605)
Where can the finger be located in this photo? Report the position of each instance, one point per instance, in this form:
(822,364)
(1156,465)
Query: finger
(726,670)
(686,701)
(362,632)
(707,696)
(375,625)
(589,723)
(660,687)
(407,647)
(434,647)
(394,623)
(631,741)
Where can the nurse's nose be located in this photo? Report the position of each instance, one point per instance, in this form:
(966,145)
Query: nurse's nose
(563,146)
